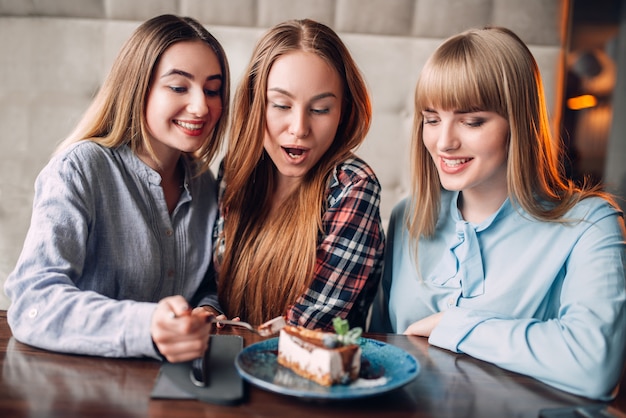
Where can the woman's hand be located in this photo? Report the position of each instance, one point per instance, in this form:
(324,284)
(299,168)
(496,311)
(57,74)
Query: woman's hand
(425,326)
(213,312)
(179,333)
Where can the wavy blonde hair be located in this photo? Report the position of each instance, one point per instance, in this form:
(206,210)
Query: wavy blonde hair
(269,262)
(117,115)
(491,69)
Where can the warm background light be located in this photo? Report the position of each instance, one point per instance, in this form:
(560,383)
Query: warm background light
(581,102)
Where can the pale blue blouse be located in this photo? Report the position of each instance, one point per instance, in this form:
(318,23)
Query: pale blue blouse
(544,299)
(102,249)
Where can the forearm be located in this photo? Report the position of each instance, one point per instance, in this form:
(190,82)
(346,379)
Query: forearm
(575,356)
(73,321)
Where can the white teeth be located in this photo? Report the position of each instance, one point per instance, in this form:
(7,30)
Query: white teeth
(453,163)
(192,126)
(294,156)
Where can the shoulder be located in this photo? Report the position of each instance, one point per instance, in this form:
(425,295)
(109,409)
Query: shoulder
(354,173)
(354,170)
(592,210)
(84,158)
(404,206)
(85,154)
(595,210)
(353,179)
(401,208)
(398,215)
(591,216)
(353,182)
(83,149)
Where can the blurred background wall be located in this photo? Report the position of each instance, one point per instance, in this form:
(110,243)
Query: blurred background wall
(55,53)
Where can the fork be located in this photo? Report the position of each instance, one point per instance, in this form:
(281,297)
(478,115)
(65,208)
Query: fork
(264,330)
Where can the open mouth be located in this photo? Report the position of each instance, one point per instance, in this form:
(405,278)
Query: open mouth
(190,128)
(455,162)
(294,153)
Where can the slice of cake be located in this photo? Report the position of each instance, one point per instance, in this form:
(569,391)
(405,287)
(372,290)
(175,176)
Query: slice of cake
(324,357)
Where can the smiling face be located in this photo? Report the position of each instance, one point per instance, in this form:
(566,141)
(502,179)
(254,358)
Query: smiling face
(184,102)
(469,150)
(304,98)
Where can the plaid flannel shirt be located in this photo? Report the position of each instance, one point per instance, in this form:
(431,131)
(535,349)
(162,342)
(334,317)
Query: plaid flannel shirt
(349,253)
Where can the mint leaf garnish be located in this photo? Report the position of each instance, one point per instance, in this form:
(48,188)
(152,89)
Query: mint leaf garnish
(341,326)
(345,335)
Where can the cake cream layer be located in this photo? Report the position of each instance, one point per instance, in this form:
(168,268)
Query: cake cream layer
(310,359)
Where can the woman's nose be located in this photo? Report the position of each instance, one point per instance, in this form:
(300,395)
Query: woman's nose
(299,126)
(198,104)
(448,138)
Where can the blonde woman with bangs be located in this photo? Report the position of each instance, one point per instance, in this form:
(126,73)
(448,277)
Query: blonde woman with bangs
(299,231)
(496,254)
(123,214)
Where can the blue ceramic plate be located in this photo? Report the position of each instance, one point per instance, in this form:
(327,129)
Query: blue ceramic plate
(384,367)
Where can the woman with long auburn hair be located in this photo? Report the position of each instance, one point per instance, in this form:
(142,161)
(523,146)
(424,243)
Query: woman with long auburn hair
(299,232)
(496,254)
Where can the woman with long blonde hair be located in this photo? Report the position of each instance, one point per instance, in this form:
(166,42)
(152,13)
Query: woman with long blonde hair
(299,231)
(496,254)
(123,214)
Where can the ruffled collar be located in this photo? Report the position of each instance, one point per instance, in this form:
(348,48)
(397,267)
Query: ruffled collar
(462,263)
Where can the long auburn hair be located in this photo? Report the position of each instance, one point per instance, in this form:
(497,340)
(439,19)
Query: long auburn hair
(492,69)
(269,262)
(117,115)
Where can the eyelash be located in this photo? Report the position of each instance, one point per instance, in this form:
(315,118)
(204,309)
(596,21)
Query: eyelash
(472,124)
(207,92)
(314,111)
(475,124)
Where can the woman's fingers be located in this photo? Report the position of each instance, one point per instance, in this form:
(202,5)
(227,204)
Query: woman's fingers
(178,333)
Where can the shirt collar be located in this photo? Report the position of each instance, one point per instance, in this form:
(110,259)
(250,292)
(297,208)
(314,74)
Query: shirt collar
(148,174)
(502,211)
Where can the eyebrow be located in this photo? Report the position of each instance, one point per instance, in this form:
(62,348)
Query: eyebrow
(456,112)
(314,98)
(190,76)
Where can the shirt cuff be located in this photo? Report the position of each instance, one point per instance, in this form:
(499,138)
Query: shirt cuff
(212,302)
(454,326)
(138,339)
(215,310)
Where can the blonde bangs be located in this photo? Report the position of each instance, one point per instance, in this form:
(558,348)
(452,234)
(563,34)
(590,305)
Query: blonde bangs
(461,76)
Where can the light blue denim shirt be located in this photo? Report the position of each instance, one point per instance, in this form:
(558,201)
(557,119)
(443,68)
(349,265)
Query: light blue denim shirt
(102,249)
(544,299)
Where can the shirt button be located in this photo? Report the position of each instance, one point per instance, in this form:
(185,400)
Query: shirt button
(170,273)
(169,232)
(450,301)
(32,313)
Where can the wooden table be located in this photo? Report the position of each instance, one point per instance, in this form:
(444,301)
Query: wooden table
(38,383)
